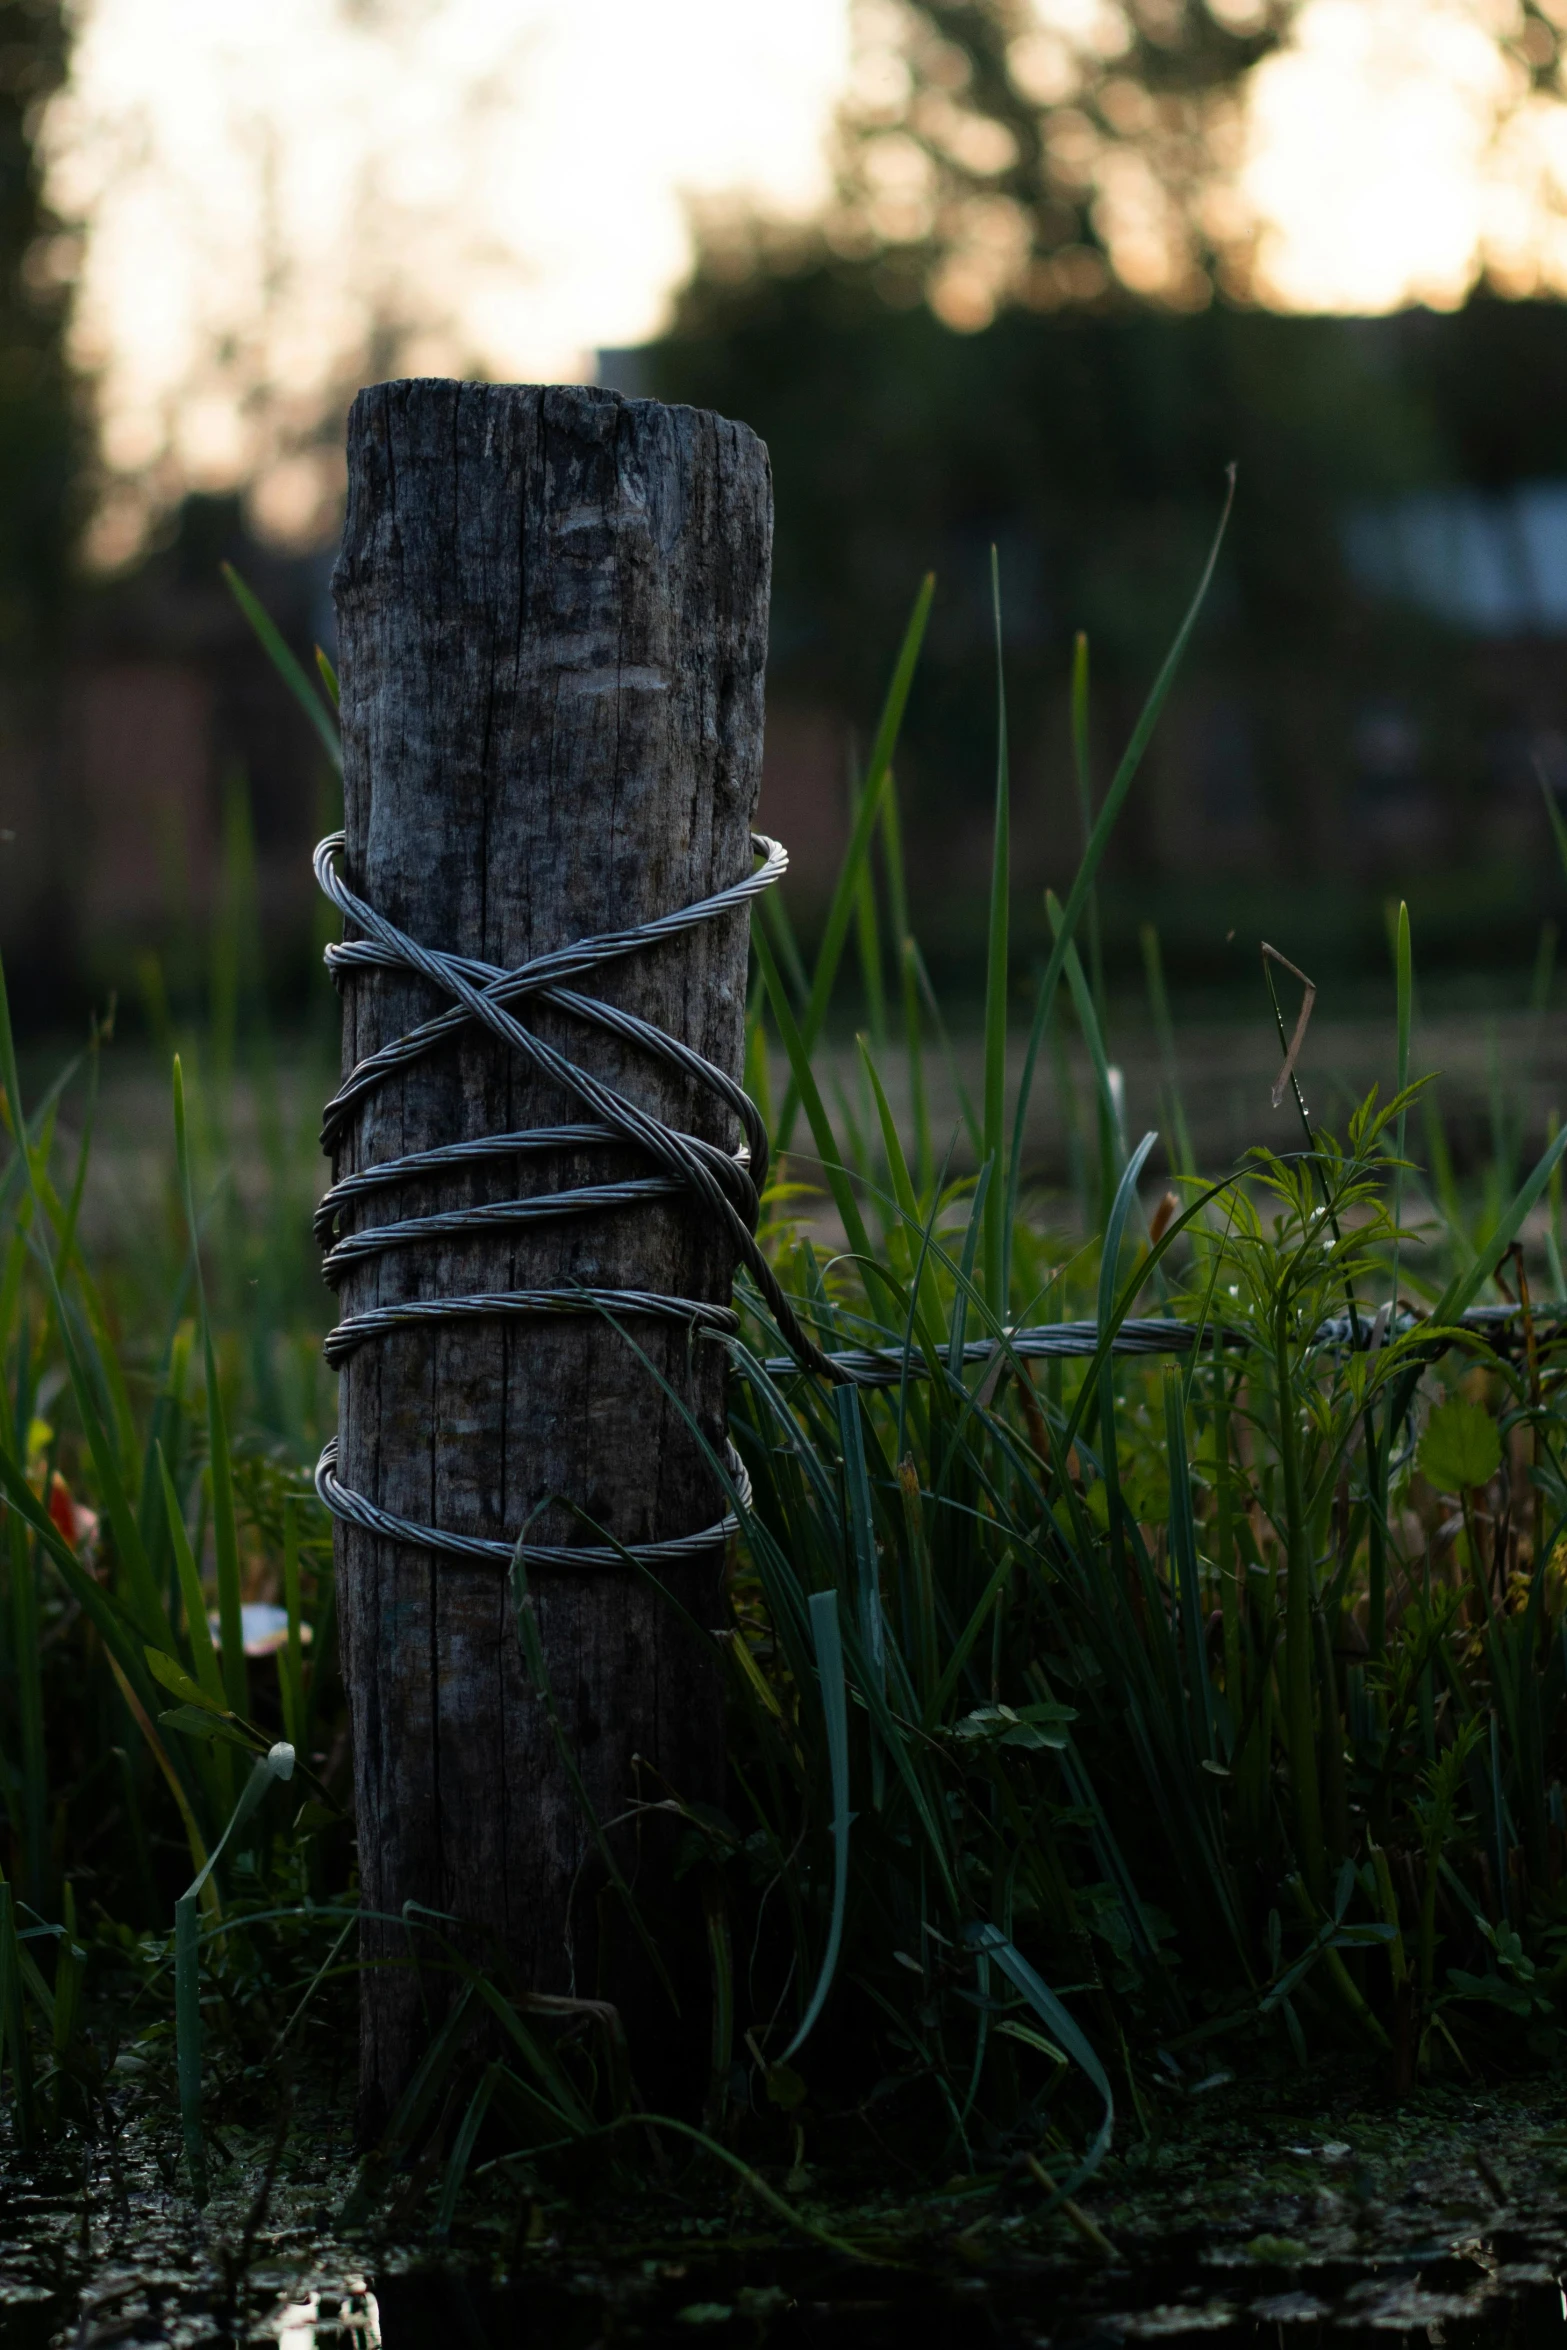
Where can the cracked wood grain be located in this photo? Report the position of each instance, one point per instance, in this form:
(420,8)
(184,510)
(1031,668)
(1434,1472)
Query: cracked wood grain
(552,609)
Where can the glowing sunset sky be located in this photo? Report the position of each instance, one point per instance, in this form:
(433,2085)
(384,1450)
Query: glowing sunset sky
(263,184)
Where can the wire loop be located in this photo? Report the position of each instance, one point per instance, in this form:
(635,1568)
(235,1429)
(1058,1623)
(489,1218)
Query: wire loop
(727,1184)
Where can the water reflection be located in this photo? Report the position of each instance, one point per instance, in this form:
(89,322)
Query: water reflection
(344,2317)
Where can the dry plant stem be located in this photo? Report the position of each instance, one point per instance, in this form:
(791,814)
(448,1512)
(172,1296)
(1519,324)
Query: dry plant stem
(553,615)
(1286,1078)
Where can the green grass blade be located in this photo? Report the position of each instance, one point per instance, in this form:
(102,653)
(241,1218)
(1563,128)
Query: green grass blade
(1183,1559)
(215,1760)
(322,716)
(835,1707)
(1406,993)
(815,1109)
(108,1620)
(1463,1289)
(862,1537)
(567,2108)
(862,1529)
(1104,825)
(997,968)
(752,2179)
(462,2149)
(1300,1595)
(908,977)
(846,893)
(225,1540)
(128,1543)
(1115,1232)
(70,1968)
(187,2039)
(1378,1455)
(926,1291)
(1553,811)
(291,1665)
(225,1534)
(14,2021)
(1063,2029)
(1183,1157)
(198,1631)
(268,1770)
(867,926)
(1113,1141)
(26,1665)
(966,1110)
(781,930)
(1082,772)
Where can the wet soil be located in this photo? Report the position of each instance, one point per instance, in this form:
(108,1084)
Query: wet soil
(1316,2217)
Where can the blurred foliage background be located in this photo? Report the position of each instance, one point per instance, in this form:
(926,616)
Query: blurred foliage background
(1376,691)
(1033,312)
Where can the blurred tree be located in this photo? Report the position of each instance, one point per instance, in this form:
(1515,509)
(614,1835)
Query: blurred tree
(1330,738)
(41,422)
(1041,150)
(43,471)
(1070,153)
(1058,179)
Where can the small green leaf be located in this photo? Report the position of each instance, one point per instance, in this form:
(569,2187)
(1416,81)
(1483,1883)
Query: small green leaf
(1032,2039)
(177,1681)
(1033,1735)
(197,1721)
(1030,1726)
(1460,1448)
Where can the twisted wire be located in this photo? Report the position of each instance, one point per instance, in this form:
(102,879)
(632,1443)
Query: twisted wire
(728,1184)
(679,1550)
(1158,1335)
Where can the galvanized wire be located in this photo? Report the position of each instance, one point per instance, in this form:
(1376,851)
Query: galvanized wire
(727,1184)
(358,1510)
(1065,1341)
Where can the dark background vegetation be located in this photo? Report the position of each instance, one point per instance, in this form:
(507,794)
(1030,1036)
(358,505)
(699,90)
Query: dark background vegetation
(1327,744)
(1352,724)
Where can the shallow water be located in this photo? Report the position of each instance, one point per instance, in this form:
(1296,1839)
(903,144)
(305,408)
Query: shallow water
(107,2250)
(1469,2300)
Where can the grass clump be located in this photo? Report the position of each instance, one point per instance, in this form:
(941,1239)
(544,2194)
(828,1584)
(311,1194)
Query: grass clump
(1145,1669)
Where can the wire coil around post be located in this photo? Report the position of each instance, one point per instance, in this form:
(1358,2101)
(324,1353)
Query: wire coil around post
(728,1184)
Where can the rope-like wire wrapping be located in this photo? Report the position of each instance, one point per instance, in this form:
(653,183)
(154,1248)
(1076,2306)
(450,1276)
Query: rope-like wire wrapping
(1151,1335)
(727,1184)
(358,1510)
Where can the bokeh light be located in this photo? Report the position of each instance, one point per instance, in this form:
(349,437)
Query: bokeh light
(274,204)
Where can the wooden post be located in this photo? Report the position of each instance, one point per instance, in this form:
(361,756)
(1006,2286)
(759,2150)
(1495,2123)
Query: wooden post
(552,607)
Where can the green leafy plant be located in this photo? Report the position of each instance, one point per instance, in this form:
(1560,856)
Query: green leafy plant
(1094,1714)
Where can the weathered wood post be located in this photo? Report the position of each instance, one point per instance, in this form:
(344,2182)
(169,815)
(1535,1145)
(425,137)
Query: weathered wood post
(552,607)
